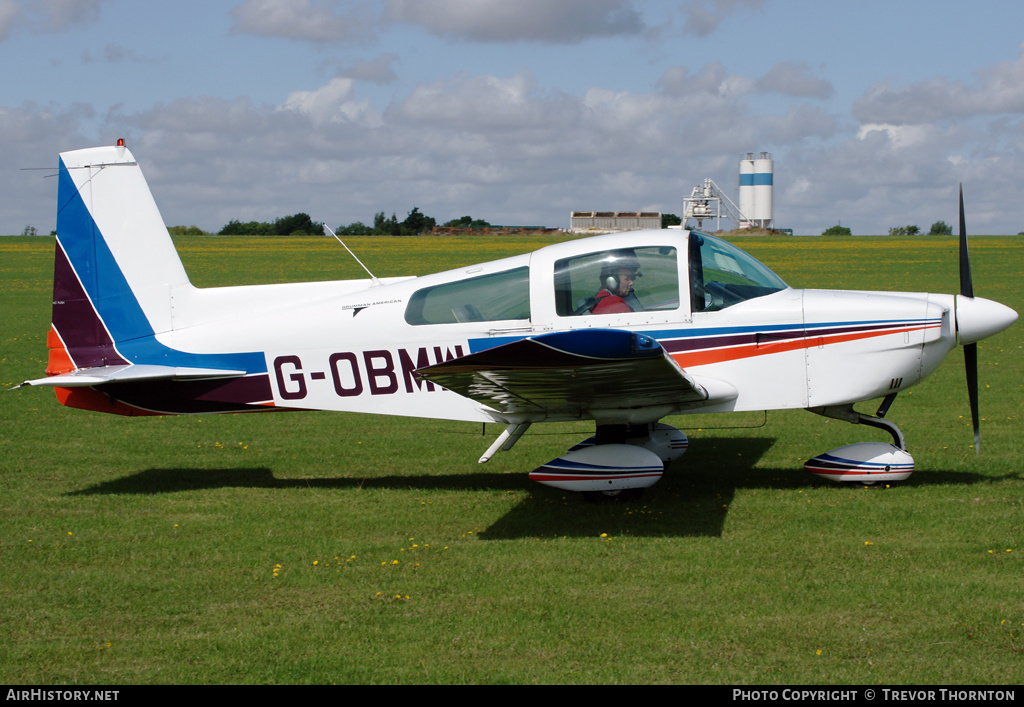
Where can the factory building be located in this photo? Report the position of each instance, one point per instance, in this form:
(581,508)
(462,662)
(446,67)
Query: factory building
(613,221)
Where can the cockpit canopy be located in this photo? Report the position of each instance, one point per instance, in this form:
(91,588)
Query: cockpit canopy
(720,275)
(639,277)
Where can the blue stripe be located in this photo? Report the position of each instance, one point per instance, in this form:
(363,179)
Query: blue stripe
(95,266)
(799,330)
(566,466)
(855,464)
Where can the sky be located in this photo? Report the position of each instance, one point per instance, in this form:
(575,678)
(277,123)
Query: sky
(521,112)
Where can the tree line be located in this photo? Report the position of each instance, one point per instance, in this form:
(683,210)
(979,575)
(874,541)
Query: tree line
(415,223)
(939,228)
(301,224)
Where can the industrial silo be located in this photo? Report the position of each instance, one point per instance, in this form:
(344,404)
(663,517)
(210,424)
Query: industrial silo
(747,207)
(763,167)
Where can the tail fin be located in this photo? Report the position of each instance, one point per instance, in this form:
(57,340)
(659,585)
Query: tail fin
(116,275)
(115,265)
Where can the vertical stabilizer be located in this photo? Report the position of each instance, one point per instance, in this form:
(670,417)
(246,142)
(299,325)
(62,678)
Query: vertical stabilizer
(115,265)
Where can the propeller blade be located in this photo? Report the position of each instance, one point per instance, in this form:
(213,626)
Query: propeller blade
(966,285)
(970,350)
(971,366)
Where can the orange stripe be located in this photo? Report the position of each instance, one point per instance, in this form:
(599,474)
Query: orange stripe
(92,399)
(732,353)
(59,360)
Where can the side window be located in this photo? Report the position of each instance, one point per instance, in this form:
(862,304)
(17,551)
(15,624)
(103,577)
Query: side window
(488,298)
(617,281)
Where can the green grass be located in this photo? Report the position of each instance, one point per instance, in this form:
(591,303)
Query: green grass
(327,548)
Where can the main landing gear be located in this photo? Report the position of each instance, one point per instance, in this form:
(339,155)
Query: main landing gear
(617,463)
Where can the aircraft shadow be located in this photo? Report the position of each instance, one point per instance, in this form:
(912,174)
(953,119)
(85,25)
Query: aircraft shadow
(156,481)
(691,500)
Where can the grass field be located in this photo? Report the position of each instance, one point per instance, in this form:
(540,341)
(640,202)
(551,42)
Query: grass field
(328,548)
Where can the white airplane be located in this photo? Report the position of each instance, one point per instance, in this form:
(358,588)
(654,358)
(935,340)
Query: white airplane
(620,329)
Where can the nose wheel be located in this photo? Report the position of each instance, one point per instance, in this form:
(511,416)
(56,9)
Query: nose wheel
(862,484)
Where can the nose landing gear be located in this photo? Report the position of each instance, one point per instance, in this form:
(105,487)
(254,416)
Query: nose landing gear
(867,463)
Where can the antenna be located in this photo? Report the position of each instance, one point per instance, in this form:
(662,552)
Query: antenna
(329,232)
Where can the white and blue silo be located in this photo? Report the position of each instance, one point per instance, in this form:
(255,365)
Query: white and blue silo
(756,189)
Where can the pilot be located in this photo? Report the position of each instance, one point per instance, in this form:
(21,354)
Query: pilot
(620,270)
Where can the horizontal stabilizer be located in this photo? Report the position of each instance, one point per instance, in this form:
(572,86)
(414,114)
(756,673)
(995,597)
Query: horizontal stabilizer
(101,375)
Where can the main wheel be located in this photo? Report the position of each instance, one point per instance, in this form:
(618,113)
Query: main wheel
(862,484)
(618,496)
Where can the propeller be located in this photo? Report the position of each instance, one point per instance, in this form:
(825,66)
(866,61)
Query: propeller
(970,350)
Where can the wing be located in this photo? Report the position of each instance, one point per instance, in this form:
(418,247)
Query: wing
(566,374)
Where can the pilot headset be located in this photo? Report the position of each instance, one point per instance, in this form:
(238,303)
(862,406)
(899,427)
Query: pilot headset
(619,260)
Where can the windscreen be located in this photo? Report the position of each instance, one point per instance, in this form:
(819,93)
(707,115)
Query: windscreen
(722,275)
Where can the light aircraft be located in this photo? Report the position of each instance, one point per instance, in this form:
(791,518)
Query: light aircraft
(704,328)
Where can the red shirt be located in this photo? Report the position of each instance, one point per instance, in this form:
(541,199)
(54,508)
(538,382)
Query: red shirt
(607,303)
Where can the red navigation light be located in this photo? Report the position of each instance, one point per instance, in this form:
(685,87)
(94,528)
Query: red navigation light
(120,142)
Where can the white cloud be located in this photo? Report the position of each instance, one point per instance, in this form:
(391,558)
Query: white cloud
(331,103)
(704,16)
(117,54)
(998,90)
(28,135)
(9,11)
(312,20)
(478,104)
(549,21)
(898,135)
(544,21)
(378,70)
(510,150)
(60,14)
(798,124)
(712,80)
(497,147)
(793,78)
(43,16)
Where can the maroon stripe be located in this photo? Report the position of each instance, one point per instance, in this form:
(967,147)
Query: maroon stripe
(206,396)
(708,342)
(76,321)
(770,337)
